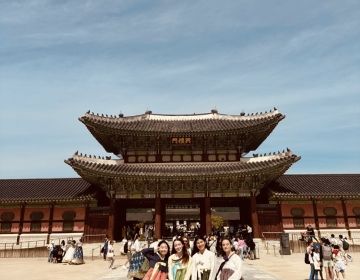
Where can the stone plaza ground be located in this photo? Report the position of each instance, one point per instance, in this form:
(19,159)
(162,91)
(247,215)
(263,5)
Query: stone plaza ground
(267,267)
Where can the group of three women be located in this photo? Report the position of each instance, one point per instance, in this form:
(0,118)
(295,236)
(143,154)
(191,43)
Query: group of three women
(200,266)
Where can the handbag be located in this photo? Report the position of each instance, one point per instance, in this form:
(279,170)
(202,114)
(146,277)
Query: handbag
(139,265)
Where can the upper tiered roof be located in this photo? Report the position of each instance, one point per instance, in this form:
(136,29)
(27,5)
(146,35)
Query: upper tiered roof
(252,128)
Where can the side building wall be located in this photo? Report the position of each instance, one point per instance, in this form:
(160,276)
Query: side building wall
(40,222)
(325,216)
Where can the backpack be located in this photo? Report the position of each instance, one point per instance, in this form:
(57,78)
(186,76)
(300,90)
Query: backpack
(306,258)
(345,245)
(327,253)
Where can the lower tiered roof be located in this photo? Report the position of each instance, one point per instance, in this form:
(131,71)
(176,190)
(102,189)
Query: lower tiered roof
(245,167)
(242,177)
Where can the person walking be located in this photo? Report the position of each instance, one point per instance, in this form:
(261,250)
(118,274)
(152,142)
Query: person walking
(158,261)
(231,267)
(110,255)
(179,262)
(203,261)
(327,261)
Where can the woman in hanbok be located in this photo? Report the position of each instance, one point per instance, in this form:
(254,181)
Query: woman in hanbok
(69,254)
(158,261)
(231,267)
(179,262)
(78,253)
(203,261)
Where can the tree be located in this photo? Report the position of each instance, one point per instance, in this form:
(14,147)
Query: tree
(217,221)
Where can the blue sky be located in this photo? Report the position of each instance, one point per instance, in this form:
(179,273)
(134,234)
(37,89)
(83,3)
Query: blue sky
(59,59)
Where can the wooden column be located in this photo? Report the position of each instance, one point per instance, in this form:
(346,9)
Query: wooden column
(158,211)
(51,218)
(316,217)
(21,223)
(278,207)
(121,218)
(111,221)
(346,220)
(254,215)
(207,210)
(86,221)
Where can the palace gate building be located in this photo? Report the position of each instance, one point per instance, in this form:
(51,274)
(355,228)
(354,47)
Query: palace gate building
(180,170)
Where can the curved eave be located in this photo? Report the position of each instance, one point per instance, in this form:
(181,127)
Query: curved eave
(154,127)
(295,196)
(49,200)
(277,164)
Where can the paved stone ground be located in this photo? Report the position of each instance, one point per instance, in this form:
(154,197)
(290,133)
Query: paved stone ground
(269,266)
(250,273)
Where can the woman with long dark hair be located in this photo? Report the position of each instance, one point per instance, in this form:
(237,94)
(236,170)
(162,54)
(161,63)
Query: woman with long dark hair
(231,267)
(158,261)
(203,261)
(179,262)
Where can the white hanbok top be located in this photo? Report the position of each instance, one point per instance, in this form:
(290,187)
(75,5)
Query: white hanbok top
(202,262)
(235,264)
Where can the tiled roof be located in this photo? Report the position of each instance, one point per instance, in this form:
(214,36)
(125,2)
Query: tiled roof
(117,168)
(149,123)
(29,190)
(316,185)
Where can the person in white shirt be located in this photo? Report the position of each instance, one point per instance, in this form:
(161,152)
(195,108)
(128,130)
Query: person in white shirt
(203,261)
(136,246)
(110,254)
(231,267)
(333,240)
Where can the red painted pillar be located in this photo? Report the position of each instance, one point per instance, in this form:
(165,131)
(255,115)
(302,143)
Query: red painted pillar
(254,216)
(111,221)
(158,216)
(281,225)
(207,210)
(21,223)
(346,219)
(316,217)
(51,218)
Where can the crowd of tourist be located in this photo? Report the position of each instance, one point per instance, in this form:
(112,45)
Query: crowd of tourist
(185,259)
(70,253)
(330,255)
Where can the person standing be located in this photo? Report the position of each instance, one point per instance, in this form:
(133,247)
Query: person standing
(128,251)
(231,267)
(310,252)
(179,262)
(310,233)
(51,247)
(203,261)
(78,253)
(105,247)
(158,261)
